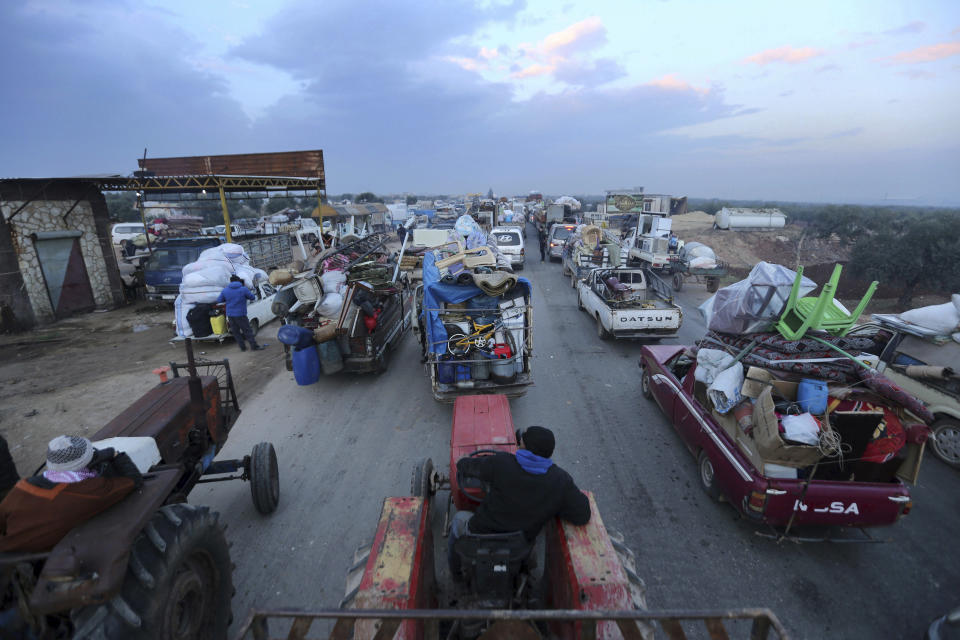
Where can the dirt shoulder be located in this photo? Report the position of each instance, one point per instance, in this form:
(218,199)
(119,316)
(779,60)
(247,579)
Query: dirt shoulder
(76,375)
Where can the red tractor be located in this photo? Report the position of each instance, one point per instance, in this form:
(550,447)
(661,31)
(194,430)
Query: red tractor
(151,566)
(400,587)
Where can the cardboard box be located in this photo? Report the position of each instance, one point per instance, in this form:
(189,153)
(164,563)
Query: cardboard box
(766,430)
(758,378)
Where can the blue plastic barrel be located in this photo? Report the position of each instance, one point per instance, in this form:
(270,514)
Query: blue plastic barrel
(306,365)
(812,396)
(295,336)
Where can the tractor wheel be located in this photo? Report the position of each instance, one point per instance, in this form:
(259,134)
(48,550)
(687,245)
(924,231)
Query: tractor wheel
(264,478)
(645,388)
(178,583)
(421,485)
(355,575)
(254,327)
(946,441)
(713,283)
(677,281)
(602,333)
(708,478)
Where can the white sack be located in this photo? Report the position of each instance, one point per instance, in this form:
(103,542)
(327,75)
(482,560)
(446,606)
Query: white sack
(710,362)
(724,391)
(333,281)
(180,310)
(205,278)
(250,275)
(143,450)
(329,305)
(802,428)
(942,318)
(200,265)
(196,295)
(703,262)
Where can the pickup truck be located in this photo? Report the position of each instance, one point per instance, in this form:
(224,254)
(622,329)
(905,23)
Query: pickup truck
(629,303)
(163,270)
(729,467)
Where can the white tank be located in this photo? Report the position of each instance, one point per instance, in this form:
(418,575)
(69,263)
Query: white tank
(728,218)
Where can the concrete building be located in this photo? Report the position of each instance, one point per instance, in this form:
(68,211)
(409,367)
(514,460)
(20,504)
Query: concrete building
(56,257)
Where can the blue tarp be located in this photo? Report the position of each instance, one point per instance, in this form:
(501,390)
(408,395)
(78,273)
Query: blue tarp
(435,292)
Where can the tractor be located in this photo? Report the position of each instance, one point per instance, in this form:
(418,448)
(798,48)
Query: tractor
(151,566)
(574,582)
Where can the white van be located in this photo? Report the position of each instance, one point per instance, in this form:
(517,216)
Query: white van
(509,241)
(125,231)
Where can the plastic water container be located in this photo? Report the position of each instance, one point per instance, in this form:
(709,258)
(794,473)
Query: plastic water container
(331,361)
(812,396)
(306,366)
(446,372)
(480,370)
(295,336)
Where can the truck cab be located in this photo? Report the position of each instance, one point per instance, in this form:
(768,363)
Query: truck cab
(163,270)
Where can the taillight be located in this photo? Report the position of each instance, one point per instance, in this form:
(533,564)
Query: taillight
(906,508)
(757,501)
(522,252)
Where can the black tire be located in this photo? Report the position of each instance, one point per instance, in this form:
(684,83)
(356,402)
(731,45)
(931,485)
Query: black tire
(579,302)
(287,357)
(254,327)
(628,561)
(383,362)
(573,280)
(677,281)
(946,441)
(708,478)
(713,283)
(178,583)
(421,484)
(602,333)
(645,384)
(264,478)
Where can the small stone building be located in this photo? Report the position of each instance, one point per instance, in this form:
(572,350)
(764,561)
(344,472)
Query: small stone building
(56,257)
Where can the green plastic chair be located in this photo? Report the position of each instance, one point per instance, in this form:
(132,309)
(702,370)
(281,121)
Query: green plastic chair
(820,313)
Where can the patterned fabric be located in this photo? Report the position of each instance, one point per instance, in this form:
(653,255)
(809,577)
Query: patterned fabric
(69,476)
(69,453)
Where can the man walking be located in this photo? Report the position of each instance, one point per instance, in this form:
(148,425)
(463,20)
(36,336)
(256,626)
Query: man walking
(235,295)
(543,242)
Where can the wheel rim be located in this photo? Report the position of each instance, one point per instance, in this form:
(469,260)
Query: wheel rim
(191,598)
(947,443)
(706,472)
(645,382)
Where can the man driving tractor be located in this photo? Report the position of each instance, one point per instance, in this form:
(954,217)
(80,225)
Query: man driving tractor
(525,491)
(78,483)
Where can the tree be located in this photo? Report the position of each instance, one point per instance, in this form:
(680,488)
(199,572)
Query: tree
(279,203)
(367,197)
(122,206)
(913,252)
(411,200)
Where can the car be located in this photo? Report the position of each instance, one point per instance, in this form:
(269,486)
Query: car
(731,467)
(125,231)
(558,235)
(509,240)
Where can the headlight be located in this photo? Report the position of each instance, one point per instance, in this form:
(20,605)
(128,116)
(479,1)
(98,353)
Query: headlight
(151,289)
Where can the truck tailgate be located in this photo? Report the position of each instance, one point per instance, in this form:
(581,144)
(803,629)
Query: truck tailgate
(633,319)
(838,503)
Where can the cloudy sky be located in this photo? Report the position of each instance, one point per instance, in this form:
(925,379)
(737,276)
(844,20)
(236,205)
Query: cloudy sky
(853,101)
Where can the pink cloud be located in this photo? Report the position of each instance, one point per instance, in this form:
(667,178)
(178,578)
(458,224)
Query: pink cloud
(533,71)
(786,54)
(468,64)
(585,32)
(671,82)
(488,54)
(930,53)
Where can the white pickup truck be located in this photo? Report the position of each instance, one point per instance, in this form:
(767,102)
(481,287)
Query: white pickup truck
(629,303)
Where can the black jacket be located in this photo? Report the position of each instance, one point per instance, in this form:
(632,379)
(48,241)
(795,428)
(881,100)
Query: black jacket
(523,501)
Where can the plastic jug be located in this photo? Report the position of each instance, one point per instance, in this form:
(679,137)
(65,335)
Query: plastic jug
(812,396)
(306,365)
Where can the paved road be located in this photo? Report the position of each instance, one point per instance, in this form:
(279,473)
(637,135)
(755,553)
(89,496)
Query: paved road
(349,441)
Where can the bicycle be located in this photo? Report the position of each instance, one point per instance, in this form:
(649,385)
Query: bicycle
(460,344)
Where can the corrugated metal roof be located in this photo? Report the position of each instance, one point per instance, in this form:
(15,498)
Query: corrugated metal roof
(301,164)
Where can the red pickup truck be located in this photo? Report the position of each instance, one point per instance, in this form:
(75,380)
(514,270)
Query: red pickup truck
(725,469)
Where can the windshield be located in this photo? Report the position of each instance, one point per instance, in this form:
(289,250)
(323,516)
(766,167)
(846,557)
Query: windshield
(171,257)
(507,239)
(561,233)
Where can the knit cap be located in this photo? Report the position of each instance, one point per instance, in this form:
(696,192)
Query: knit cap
(69,453)
(539,441)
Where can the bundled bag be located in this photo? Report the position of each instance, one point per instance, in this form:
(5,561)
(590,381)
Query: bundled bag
(329,306)
(942,318)
(754,304)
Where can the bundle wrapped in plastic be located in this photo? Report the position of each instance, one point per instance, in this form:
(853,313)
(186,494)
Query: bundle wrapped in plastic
(251,276)
(754,304)
(333,281)
(465,225)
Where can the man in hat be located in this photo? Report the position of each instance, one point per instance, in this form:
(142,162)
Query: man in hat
(235,295)
(526,490)
(78,483)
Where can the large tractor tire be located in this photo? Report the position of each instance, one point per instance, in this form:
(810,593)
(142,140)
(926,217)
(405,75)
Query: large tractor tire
(421,484)
(355,575)
(638,588)
(178,583)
